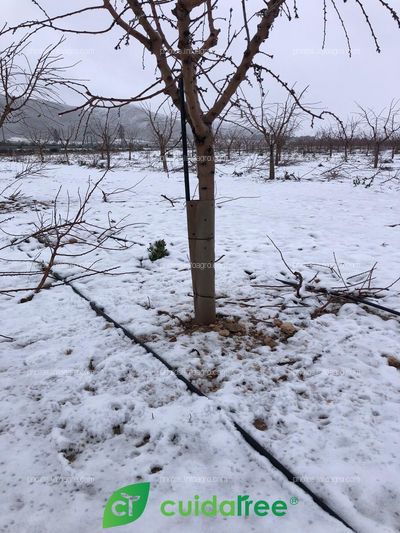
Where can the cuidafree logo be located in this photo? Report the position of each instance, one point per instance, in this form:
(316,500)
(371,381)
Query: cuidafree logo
(128,504)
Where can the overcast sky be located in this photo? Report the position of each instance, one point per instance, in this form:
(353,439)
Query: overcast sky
(335,80)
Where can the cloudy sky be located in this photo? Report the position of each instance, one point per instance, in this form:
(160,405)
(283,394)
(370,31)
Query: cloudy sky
(335,80)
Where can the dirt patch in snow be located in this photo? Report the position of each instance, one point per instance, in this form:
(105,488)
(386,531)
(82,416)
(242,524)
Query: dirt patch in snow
(249,335)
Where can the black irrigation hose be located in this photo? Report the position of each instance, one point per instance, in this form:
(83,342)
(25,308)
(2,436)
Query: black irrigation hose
(100,311)
(245,434)
(355,299)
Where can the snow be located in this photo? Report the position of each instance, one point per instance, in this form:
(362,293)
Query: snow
(85,411)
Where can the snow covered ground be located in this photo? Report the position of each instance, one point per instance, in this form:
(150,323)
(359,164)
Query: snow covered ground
(85,411)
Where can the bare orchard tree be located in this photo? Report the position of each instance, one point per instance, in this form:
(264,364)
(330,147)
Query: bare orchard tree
(327,138)
(162,124)
(22,80)
(274,122)
(213,47)
(106,131)
(380,126)
(132,135)
(229,137)
(39,138)
(347,133)
(290,121)
(122,136)
(65,136)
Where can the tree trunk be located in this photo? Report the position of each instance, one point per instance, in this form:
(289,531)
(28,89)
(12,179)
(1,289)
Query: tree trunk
(41,153)
(66,153)
(346,152)
(271,161)
(108,153)
(278,154)
(201,233)
(163,157)
(376,154)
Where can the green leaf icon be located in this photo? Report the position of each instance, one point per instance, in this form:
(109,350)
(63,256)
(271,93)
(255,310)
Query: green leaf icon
(126,505)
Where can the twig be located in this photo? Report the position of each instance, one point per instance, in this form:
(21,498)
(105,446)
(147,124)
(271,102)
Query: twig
(296,274)
(169,200)
(7,338)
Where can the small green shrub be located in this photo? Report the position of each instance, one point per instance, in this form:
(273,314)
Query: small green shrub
(157,250)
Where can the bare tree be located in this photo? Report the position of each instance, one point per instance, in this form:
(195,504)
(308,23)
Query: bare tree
(122,136)
(381,126)
(162,123)
(233,131)
(274,122)
(289,121)
(106,130)
(228,137)
(39,138)
(65,135)
(347,132)
(187,43)
(327,138)
(132,134)
(22,81)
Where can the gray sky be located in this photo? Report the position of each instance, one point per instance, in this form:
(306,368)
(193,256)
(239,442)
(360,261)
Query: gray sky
(335,80)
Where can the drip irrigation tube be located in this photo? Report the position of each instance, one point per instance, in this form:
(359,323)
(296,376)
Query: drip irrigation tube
(251,441)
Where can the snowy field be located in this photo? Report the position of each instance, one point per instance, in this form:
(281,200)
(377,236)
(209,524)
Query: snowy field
(85,411)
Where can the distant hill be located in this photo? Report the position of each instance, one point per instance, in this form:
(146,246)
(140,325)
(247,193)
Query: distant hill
(43,118)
